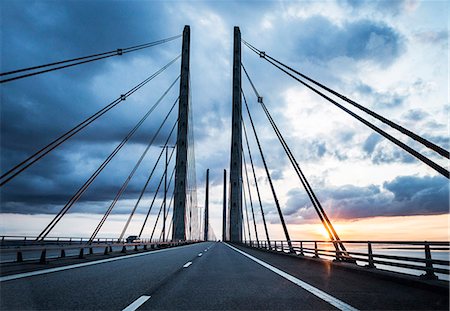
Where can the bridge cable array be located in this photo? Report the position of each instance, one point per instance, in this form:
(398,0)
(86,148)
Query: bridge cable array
(161,206)
(402,145)
(81,60)
(147,182)
(312,196)
(246,219)
(91,179)
(272,188)
(130,176)
(17,169)
(255,179)
(154,199)
(249,196)
(194,214)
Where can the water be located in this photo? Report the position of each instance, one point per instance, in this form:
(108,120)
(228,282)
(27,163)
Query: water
(409,251)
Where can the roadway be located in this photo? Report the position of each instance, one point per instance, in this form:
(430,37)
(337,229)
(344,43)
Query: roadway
(211,276)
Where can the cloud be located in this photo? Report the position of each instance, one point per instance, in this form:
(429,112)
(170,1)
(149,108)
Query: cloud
(332,49)
(371,142)
(416,114)
(433,37)
(403,196)
(386,7)
(380,99)
(386,152)
(321,41)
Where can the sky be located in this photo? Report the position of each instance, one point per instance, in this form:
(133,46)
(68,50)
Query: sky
(390,56)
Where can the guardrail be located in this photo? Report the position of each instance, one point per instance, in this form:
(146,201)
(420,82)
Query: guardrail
(16,240)
(39,251)
(401,256)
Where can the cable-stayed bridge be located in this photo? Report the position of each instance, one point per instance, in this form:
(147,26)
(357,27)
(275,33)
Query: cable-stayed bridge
(172,260)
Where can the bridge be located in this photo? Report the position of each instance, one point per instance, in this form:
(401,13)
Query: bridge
(180,262)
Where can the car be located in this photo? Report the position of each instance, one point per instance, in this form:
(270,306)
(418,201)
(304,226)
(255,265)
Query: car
(133,239)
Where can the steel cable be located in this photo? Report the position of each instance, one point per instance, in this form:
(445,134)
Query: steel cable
(18,168)
(405,147)
(277,204)
(82,60)
(128,179)
(91,179)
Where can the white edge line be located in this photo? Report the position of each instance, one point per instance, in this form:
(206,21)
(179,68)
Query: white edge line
(187,264)
(79,265)
(137,303)
(313,290)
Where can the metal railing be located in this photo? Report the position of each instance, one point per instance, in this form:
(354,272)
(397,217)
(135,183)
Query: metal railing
(15,240)
(20,249)
(411,257)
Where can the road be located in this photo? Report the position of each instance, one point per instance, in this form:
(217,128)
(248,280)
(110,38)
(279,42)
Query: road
(214,276)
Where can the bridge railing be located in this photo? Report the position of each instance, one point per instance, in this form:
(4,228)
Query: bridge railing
(20,249)
(15,240)
(427,259)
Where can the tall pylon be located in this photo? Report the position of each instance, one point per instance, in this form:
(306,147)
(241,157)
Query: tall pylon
(179,211)
(235,214)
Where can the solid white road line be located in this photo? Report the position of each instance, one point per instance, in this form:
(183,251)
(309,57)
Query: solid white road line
(79,265)
(313,290)
(137,303)
(187,264)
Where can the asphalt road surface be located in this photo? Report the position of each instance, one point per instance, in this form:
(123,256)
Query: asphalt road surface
(210,276)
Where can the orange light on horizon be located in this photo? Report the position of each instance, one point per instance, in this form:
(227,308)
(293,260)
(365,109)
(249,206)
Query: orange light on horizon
(399,228)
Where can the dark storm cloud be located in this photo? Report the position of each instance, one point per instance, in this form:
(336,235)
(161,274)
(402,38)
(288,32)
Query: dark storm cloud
(360,40)
(38,109)
(33,192)
(39,32)
(403,196)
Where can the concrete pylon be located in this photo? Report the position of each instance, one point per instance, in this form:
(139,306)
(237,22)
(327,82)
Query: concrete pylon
(179,211)
(205,238)
(224,214)
(235,213)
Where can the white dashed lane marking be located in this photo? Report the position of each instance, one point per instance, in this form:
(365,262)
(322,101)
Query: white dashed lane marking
(137,303)
(187,264)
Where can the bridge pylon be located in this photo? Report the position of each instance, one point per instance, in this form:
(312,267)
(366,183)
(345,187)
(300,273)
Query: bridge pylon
(205,238)
(235,213)
(179,211)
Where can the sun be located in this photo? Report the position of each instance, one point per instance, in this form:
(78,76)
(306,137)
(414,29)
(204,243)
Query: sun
(322,232)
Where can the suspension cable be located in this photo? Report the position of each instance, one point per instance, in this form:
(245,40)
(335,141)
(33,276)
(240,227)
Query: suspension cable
(315,202)
(402,145)
(246,213)
(17,169)
(250,195)
(392,124)
(154,198)
(91,179)
(146,183)
(275,198)
(256,182)
(165,219)
(128,179)
(161,206)
(81,60)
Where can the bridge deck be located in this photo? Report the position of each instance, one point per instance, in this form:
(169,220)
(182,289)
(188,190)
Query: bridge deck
(221,278)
